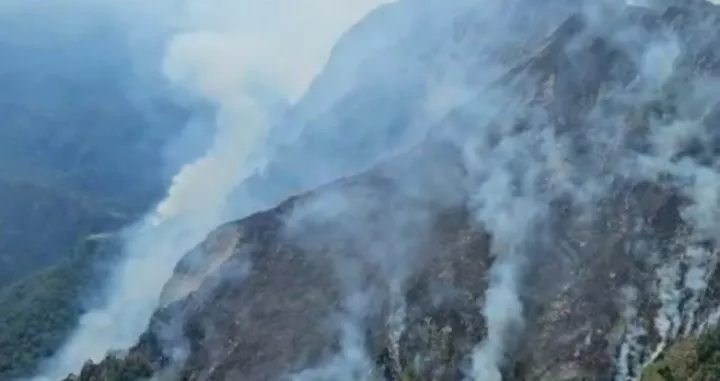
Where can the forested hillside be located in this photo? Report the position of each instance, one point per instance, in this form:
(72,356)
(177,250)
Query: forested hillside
(81,137)
(81,154)
(38,312)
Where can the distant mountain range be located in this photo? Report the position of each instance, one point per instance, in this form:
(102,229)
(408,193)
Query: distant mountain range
(81,136)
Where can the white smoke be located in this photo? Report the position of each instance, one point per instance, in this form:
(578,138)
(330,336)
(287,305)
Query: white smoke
(504,315)
(373,252)
(683,281)
(229,53)
(352,362)
(506,204)
(631,350)
(699,185)
(507,220)
(701,263)
(396,322)
(668,319)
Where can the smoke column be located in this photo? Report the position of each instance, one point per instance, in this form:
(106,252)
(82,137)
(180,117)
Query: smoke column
(668,319)
(230,54)
(630,349)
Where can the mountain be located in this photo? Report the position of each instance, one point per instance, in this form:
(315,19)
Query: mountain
(82,131)
(81,140)
(390,78)
(556,221)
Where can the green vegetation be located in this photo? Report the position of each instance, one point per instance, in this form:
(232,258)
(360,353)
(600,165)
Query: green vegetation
(37,313)
(40,223)
(694,359)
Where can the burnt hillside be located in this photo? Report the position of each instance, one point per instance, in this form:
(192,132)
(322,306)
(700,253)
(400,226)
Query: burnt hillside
(555,225)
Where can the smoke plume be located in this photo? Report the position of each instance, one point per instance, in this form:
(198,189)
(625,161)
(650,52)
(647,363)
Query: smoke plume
(231,55)
(250,60)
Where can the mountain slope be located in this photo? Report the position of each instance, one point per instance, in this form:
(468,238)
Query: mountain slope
(544,230)
(39,310)
(81,142)
(26,241)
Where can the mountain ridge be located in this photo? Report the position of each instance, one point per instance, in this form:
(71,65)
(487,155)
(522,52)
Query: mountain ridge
(311,292)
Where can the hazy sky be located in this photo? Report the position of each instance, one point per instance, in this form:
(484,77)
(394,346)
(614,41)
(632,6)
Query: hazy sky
(279,42)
